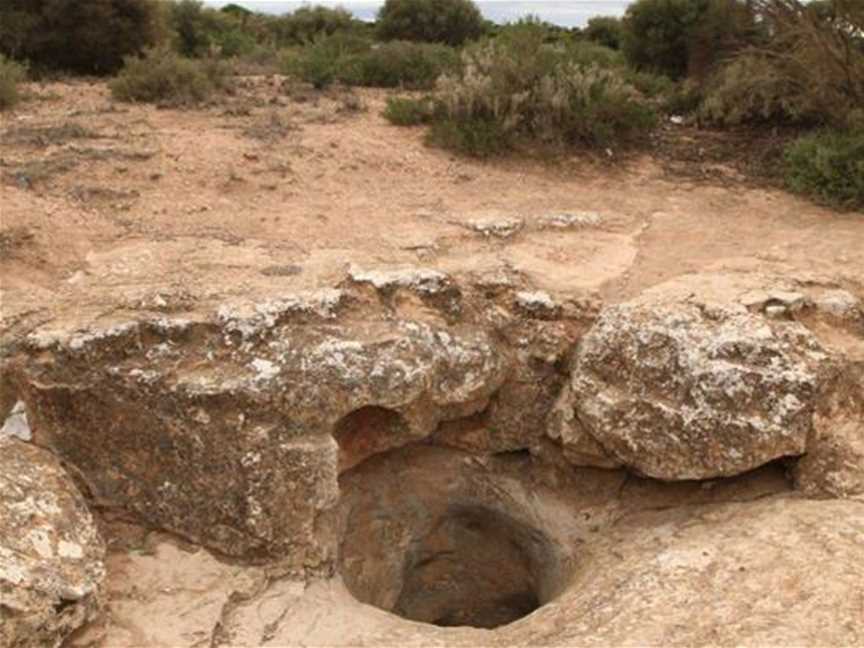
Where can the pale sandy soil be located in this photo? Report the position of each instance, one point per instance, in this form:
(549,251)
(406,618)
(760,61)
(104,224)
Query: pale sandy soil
(279,190)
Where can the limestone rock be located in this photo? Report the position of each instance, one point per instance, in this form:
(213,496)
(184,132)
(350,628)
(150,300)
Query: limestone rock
(16,424)
(500,227)
(679,390)
(577,445)
(51,554)
(834,463)
(571,220)
(537,303)
(840,305)
(240,412)
(421,280)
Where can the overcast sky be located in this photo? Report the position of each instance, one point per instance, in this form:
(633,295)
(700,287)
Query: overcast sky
(569,13)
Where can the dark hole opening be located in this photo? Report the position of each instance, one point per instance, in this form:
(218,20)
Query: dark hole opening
(476,567)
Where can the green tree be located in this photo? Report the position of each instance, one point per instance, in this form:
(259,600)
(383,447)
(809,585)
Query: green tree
(308,23)
(605,30)
(199,30)
(675,37)
(452,22)
(656,34)
(86,36)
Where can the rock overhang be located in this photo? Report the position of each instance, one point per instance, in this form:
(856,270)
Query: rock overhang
(221,427)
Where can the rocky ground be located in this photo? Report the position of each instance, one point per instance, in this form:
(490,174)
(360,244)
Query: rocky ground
(274,373)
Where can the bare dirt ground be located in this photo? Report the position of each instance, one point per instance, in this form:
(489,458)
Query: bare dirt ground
(108,207)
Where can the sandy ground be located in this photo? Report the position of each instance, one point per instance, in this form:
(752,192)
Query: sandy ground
(110,207)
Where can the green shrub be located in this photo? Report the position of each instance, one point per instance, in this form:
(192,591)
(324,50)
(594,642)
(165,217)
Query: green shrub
(163,76)
(261,59)
(649,84)
(529,40)
(513,90)
(588,52)
(810,70)
(194,27)
(682,98)
(474,137)
(751,89)
(90,37)
(353,60)
(202,31)
(330,58)
(590,105)
(605,30)
(308,23)
(405,111)
(828,166)
(452,22)
(544,32)
(11,74)
(402,63)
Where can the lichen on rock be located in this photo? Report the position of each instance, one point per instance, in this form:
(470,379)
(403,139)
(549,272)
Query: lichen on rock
(51,553)
(682,390)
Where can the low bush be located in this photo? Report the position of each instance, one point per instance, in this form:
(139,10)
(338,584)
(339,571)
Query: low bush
(405,111)
(587,52)
(810,70)
(306,24)
(649,84)
(352,60)
(605,30)
(452,22)
(472,136)
(828,166)
(514,90)
(11,74)
(401,63)
(682,98)
(329,59)
(260,60)
(751,89)
(201,31)
(163,76)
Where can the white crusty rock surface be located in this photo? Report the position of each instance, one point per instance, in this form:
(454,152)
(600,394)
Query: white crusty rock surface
(678,389)
(162,415)
(51,554)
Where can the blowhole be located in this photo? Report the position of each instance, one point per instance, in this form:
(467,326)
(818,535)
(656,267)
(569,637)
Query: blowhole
(433,537)
(474,568)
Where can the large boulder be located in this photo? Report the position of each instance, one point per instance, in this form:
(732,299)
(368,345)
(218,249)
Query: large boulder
(677,388)
(232,430)
(51,553)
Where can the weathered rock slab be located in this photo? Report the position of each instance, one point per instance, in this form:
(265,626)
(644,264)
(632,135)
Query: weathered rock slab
(834,463)
(682,390)
(223,431)
(51,553)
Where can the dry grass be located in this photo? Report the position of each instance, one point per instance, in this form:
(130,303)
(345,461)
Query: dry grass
(42,136)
